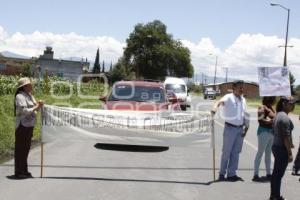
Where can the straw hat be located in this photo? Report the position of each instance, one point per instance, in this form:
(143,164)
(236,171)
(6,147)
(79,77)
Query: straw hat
(23,81)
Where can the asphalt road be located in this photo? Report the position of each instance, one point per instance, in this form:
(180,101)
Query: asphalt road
(78,170)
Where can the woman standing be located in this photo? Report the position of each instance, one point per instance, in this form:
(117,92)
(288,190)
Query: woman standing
(265,137)
(296,167)
(282,145)
(25,112)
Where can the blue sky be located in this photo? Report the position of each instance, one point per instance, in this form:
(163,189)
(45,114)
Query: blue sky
(221,20)
(222,27)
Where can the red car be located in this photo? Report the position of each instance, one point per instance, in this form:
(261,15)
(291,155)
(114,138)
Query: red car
(140,96)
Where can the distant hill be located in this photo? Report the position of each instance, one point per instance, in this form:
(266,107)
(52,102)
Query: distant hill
(13,55)
(209,79)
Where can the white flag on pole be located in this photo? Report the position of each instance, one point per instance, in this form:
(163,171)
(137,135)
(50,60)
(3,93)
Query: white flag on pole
(274,81)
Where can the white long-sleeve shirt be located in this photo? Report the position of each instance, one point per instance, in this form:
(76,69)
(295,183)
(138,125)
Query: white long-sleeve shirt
(24,110)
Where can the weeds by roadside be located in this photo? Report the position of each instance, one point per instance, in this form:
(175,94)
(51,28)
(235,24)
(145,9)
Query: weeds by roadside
(58,96)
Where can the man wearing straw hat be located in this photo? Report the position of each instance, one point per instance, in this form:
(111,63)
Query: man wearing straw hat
(25,108)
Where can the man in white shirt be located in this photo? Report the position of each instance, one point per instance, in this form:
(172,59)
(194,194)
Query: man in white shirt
(234,111)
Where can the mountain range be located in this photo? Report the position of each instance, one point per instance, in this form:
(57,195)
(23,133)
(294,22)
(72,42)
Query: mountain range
(13,55)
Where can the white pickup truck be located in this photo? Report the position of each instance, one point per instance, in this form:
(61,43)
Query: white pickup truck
(178,86)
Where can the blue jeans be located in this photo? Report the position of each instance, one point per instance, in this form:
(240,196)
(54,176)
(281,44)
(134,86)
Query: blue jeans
(281,162)
(265,141)
(232,146)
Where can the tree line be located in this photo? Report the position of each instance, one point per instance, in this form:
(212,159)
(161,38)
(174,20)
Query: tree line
(150,53)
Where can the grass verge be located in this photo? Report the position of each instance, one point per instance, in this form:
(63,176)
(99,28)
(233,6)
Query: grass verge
(7,119)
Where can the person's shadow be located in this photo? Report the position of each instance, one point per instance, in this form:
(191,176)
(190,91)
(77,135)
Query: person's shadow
(13,177)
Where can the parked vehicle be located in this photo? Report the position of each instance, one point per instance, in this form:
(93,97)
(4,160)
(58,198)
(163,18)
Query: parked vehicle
(209,93)
(178,86)
(140,96)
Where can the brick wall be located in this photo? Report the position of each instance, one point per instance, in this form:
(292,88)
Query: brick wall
(251,90)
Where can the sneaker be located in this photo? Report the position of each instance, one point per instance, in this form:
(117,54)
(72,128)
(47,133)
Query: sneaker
(234,178)
(221,177)
(256,178)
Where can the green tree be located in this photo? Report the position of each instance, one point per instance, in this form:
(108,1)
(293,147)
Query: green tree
(119,71)
(26,70)
(192,87)
(153,53)
(297,92)
(96,69)
(103,67)
(46,83)
(292,81)
(111,67)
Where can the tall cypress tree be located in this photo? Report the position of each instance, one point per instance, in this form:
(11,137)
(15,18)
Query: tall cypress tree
(111,67)
(96,68)
(103,67)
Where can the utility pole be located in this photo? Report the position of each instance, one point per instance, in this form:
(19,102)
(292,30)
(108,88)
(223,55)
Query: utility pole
(226,68)
(286,33)
(215,71)
(215,76)
(286,38)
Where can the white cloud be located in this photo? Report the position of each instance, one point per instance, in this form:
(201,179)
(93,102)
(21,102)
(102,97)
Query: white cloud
(3,35)
(64,45)
(242,58)
(202,61)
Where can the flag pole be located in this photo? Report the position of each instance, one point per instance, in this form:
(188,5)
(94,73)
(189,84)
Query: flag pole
(42,159)
(213,145)
(42,143)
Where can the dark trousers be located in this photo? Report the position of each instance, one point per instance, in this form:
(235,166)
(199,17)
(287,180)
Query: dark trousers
(281,162)
(23,137)
(297,160)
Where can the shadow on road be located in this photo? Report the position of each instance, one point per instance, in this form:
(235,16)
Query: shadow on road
(132,168)
(130,180)
(13,177)
(131,148)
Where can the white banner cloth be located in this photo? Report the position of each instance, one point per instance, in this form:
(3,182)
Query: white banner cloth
(126,127)
(274,81)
